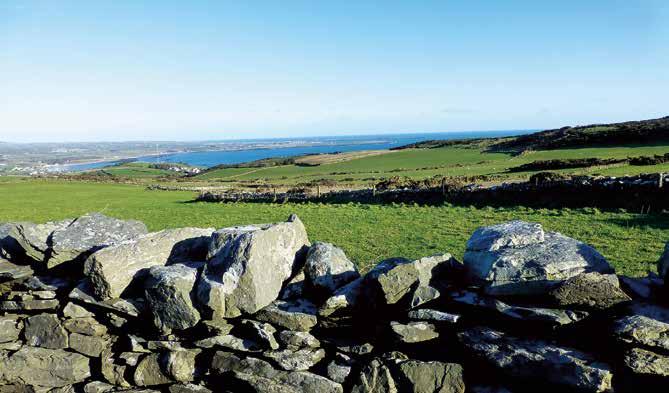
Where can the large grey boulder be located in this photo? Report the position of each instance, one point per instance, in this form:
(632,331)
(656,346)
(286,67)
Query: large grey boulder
(537,359)
(44,367)
(328,269)
(169,294)
(519,258)
(88,234)
(45,330)
(663,263)
(429,377)
(112,269)
(248,265)
(34,239)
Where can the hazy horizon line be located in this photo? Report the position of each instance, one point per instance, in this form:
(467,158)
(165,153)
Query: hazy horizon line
(233,139)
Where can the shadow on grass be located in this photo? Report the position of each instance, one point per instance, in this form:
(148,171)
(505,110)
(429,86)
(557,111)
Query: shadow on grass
(655,221)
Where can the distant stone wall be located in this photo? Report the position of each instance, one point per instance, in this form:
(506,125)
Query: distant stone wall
(96,304)
(638,193)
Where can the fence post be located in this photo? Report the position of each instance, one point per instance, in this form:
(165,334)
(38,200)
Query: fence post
(318,191)
(661,180)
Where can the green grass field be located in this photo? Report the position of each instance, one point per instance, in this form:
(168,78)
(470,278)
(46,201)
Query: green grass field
(368,233)
(447,161)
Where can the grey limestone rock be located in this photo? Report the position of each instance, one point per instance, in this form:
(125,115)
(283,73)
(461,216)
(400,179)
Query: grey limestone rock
(519,258)
(112,269)
(248,265)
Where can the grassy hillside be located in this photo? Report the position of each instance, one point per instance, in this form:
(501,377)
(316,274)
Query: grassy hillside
(445,161)
(368,233)
(654,131)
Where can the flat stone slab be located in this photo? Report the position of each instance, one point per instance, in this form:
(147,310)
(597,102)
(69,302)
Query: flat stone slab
(44,367)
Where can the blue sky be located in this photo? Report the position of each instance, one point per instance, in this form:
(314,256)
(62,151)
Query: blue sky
(186,70)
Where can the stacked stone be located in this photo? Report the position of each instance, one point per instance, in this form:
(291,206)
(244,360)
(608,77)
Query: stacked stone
(98,304)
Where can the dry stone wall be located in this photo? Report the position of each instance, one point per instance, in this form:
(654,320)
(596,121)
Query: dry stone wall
(97,305)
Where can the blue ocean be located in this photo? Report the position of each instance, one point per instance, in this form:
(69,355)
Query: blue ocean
(312,145)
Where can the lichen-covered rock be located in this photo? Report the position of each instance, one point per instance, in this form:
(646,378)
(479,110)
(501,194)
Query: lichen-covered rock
(88,234)
(10,328)
(28,305)
(395,281)
(180,364)
(112,269)
(149,372)
(44,367)
(33,239)
(88,326)
(328,269)
(248,265)
(188,388)
(344,300)
(589,291)
(45,330)
(11,271)
(375,377)
(295,287)
(88,345)
(293,339)
(229,341)
(262,333)
(643,362)
(111,371)
(296,360)
(340,368)
(537,359)
(263,378)
(72,310)
(97,387)
(427,314)
(299,315)
(430,377)
(413,332)
(169,295)
(519,258)
(642,330)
